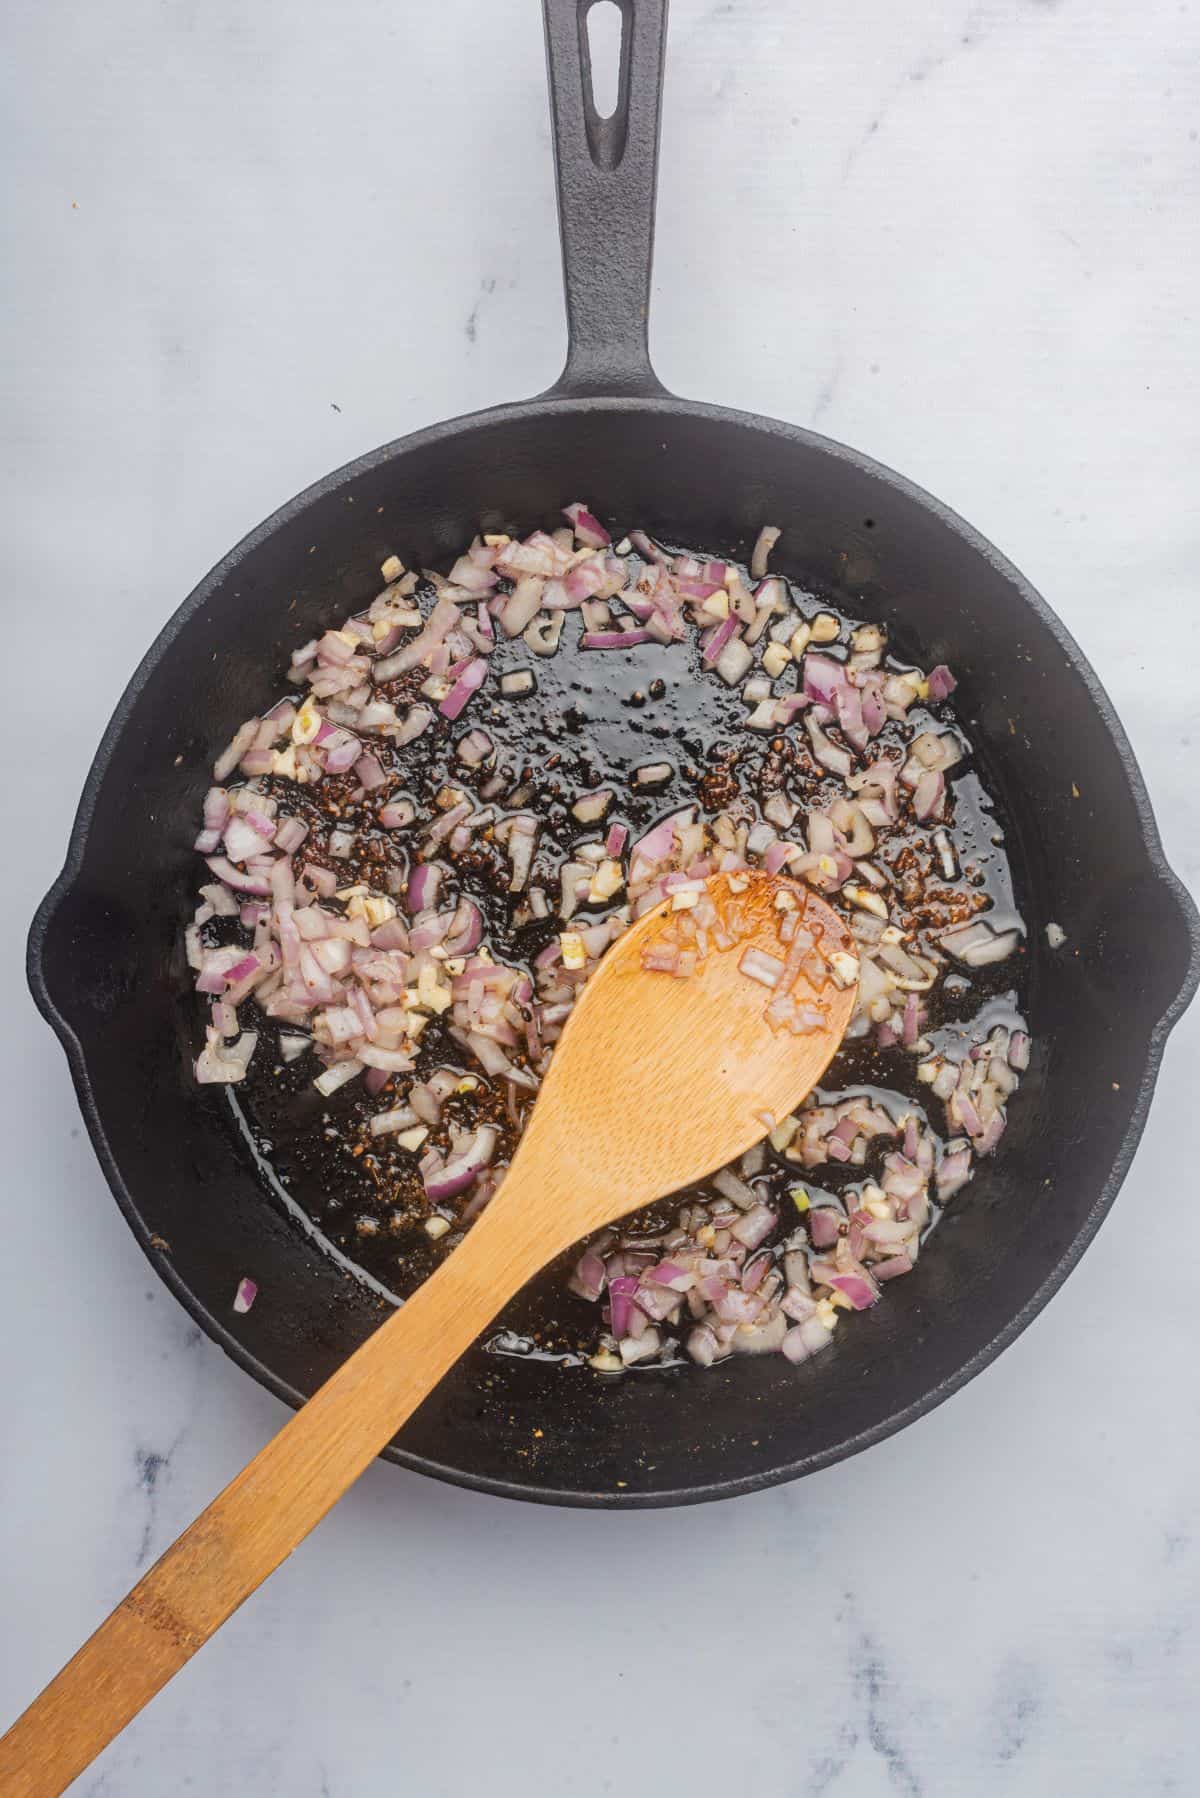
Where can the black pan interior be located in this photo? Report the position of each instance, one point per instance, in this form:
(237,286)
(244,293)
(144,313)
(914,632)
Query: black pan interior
(106,958)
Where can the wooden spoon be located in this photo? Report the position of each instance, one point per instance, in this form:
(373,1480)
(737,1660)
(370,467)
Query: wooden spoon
(656,1082)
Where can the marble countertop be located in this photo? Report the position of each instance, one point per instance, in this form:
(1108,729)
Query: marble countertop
(255,241)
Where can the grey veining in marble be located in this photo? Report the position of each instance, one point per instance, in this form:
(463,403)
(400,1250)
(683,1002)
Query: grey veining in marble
(248,242)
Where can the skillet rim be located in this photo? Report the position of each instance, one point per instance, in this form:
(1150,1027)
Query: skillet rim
(662,405)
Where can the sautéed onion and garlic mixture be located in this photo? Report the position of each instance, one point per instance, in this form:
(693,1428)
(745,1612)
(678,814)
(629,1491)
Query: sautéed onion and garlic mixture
(417,858)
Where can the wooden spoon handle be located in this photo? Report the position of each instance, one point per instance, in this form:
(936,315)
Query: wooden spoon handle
(270,1507)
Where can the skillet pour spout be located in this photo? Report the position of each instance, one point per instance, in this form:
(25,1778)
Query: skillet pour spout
(106,964)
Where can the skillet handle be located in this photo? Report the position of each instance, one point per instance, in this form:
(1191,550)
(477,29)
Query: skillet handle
(607,172)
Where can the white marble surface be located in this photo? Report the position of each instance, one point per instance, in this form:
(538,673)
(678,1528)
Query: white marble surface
(253,241)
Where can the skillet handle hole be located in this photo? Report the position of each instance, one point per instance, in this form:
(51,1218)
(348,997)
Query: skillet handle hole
(604,31)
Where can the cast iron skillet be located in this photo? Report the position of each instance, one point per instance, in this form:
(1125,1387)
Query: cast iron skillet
(106,966)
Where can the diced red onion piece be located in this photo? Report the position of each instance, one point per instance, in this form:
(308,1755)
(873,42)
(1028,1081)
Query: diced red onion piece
(652,774)
(587,526)
(442,620)
(824,1226)
(765,542)
(753,1227)
(244,1297)
(824,678)
(229,757)
(929,793)
(369,773)
(464,688)
(222,1063)
(756,964)
(977,944)
(953,1172)
(615,639)
(893,1267)
(588,1277)
(235,878)
(423,884)
(522,605)
(474,748)
(808,1338)
(466,931)
(826,751)
(733,661)
(621,1291)
(718,637)
(290,834)
(859,1288)
(521,840)
(589,808)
